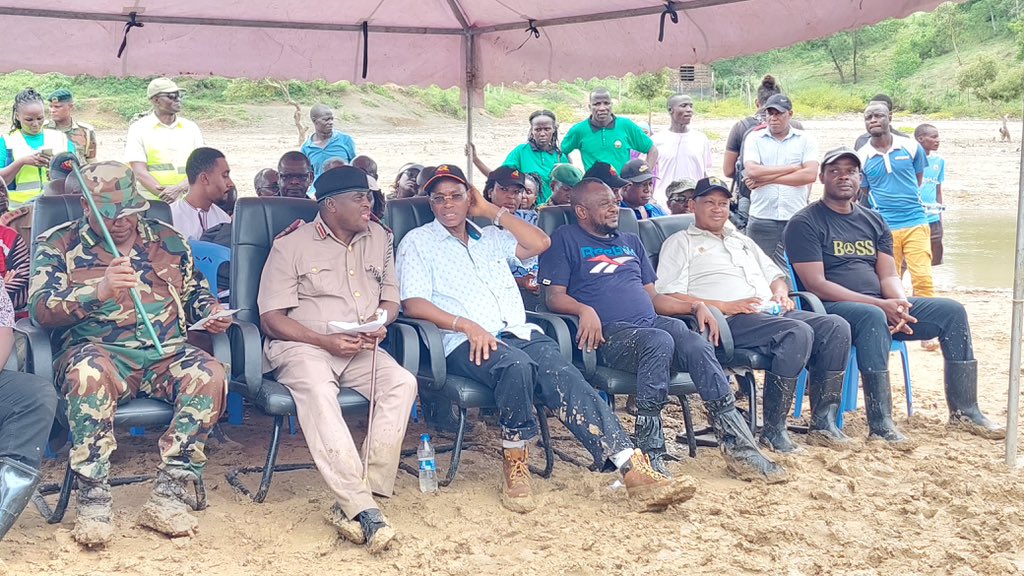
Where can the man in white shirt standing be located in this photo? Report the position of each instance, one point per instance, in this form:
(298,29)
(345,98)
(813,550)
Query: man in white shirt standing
(209,181)
(682,152)
(780,163)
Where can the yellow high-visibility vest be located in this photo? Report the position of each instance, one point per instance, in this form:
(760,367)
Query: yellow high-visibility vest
(30,180)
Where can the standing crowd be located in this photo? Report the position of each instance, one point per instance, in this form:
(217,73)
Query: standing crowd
(475,271)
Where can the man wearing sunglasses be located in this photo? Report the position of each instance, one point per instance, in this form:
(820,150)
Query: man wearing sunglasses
(159,143)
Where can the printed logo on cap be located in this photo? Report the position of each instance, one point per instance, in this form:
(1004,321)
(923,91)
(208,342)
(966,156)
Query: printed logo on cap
(613,171)
(443,168)
(515,173)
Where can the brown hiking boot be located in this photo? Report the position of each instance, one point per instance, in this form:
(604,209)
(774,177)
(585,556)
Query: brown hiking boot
(653,489)
(516,494)
(92,524)
(168,508)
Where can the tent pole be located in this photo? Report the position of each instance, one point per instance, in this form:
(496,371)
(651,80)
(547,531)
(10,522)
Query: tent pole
(470,89)
(1013,395)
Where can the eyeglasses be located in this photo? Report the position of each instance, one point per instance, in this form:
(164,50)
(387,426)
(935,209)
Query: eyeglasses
(293,175)
(171,95)
(441,200)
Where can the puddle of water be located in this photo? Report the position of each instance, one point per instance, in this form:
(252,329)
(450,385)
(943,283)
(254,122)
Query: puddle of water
(979,247)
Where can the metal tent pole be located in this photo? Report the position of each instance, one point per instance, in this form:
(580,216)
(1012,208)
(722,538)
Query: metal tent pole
(470,89)
(1013,394)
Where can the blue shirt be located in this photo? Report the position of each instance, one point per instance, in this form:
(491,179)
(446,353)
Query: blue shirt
(607,274)
(891,181)
(934,176)
(340,145)
(653,210)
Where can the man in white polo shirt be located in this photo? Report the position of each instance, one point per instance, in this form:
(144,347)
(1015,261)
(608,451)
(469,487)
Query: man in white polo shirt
(780,163)
(159,143)
(711,262)
(209,181)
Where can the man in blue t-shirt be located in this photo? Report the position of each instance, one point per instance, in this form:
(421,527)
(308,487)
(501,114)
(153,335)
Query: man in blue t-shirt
(893,167)
(603,276)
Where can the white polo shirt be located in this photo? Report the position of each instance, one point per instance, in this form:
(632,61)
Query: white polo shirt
(778,201)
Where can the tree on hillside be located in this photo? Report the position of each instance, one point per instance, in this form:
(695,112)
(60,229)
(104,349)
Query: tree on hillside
(951,19)
(978,76)
(649,87)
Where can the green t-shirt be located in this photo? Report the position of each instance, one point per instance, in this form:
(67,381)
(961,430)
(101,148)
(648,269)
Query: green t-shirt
(527,159)
(609,144)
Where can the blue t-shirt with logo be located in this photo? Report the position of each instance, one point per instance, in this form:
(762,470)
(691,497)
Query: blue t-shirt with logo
(891,181)
(934,175)
(607,274)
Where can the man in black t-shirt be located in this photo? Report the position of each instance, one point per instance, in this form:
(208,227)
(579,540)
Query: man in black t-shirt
(842,252)
(603,276)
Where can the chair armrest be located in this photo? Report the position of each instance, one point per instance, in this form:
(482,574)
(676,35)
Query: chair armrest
(726,349)
(404,346)
(813,302)
(555,328)
(40,352)
(433,370)
(221,345)
(587,359)
(247,353)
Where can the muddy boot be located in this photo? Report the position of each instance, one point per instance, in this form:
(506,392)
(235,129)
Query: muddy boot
(826,389)
(348,529)
(92,525)
(631,408)
(878,403)
(17,483)
(742,458)
(778,400)
(168,508)
(654,490)
(379,535)
(516,494)
(961,379)
(650,439)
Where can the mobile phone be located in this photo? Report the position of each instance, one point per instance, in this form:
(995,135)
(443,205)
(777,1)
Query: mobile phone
(48,152)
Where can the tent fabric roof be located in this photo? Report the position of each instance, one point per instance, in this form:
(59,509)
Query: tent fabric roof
(412,42)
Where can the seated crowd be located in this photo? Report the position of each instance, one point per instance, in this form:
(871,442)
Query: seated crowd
(474,271)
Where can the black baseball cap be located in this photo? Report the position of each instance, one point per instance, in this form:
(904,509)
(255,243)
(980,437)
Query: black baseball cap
(706,186)
(779,102)
(445,171)
(637,171)
(341,180)
(507,176)
(837,153)
(604,172)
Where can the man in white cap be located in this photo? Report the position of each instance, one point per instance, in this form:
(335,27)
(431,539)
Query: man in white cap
(159,143)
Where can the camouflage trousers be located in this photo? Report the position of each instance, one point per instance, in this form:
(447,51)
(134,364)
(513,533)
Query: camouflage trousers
(95,378)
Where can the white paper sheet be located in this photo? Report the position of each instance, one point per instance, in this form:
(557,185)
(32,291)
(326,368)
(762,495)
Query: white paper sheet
(201,325)
(355,328)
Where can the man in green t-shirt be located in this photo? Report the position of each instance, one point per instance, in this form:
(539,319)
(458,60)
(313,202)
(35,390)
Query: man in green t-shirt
(605,137)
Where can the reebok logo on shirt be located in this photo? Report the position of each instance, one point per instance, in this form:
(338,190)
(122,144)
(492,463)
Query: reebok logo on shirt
(608,265)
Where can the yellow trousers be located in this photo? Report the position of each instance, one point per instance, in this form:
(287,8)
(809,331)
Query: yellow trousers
(912,249)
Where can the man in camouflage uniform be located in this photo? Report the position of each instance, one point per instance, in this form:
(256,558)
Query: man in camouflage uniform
(62,106)
(82,292)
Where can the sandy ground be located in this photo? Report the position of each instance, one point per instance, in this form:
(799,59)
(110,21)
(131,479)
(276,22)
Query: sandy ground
(950,507)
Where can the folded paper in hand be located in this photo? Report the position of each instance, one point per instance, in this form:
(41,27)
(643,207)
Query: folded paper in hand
(201,325)
(354,328)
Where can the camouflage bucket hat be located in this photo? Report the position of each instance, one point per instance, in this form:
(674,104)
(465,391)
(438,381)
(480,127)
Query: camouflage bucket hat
(112,185)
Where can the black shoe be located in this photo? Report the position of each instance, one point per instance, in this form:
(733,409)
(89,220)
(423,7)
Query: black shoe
(778,400)
(826,389)
(737,444)
(878,404)
(17,483)
(961,380)
(650,439)
(378,533)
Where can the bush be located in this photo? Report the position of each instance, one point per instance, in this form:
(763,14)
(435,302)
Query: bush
(439,100)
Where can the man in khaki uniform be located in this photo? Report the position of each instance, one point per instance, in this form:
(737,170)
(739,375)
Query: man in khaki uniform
(339,267)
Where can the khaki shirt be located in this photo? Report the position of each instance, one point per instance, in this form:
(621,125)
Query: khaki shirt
(317,279)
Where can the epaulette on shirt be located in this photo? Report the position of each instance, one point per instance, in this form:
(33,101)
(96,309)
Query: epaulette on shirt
(321,230)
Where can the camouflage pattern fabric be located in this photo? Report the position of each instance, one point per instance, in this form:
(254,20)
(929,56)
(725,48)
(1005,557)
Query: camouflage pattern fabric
(114,189)
(84,137)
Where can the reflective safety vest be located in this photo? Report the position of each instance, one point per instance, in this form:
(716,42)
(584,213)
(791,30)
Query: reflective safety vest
(30,180)
(162,168)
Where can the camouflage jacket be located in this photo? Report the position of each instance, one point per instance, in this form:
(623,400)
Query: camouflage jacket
(84,137)
(72,259)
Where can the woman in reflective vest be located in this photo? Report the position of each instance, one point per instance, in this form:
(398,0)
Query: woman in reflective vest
(28,149)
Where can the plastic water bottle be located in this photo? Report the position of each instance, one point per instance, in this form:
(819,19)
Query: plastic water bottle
(770,308)
(533,275)
(428,465)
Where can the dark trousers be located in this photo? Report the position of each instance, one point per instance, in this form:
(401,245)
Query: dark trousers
(795,340)
(940,318)
(525,372)
(936,230)
(767,234)
(653,352)
(27,406)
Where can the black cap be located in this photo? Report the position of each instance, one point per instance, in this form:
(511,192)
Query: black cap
(62,164)
(604,172)
(837,153)
(637,171)
(507,176)
(341,180)
(779,102)
(445,171)
(706,186)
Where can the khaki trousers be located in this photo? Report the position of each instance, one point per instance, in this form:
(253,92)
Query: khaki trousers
(913,246)
(314,376)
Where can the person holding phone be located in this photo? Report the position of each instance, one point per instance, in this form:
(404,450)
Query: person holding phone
(27,150)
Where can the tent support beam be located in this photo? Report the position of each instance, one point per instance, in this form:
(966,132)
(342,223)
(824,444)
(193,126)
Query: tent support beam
(1013,394)
(470,90)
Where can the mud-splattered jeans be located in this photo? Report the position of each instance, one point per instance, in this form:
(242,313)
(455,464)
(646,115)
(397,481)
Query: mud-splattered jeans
(525,372)
(940,318)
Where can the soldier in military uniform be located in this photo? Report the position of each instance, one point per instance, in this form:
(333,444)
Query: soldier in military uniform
(62,105)
(82,292)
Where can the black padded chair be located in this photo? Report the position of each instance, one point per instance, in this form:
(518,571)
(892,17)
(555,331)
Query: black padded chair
(609,380)
(256,222)
(51,211)
(438,389)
